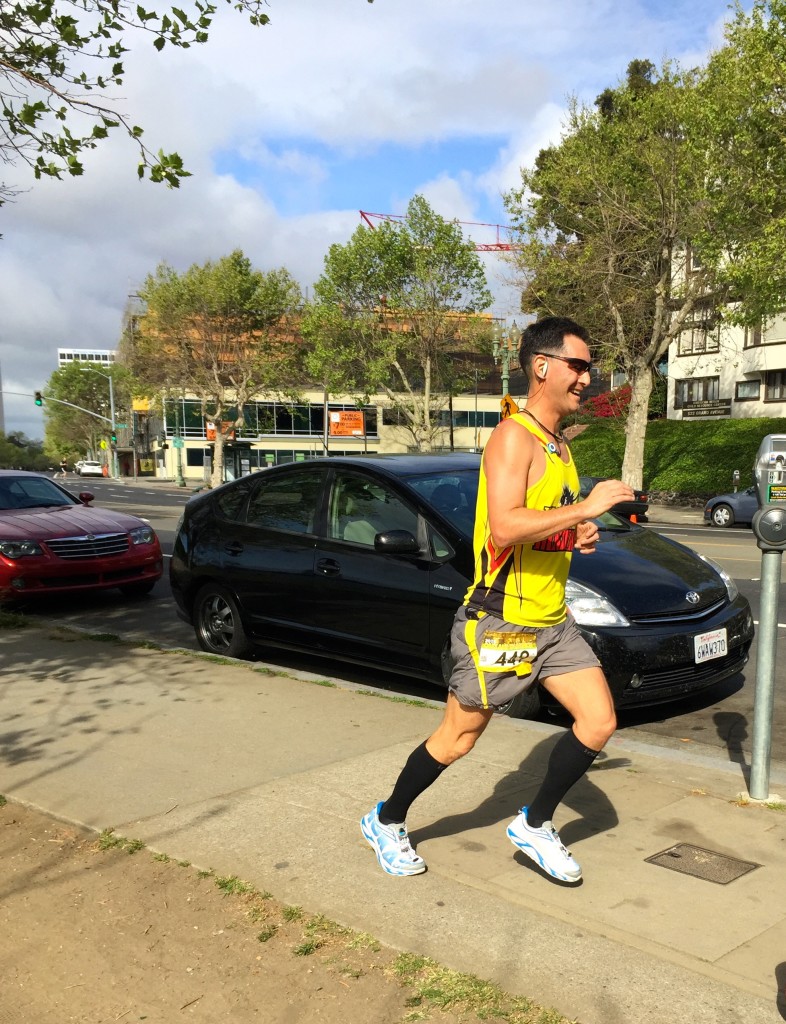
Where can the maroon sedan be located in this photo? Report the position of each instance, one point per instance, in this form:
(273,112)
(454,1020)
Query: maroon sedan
(54,543)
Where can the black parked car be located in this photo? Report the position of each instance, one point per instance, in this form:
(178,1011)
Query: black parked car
(729,509)
(366,559)
(638,507)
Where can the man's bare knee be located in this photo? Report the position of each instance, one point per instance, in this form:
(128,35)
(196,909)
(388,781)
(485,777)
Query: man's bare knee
(595,730)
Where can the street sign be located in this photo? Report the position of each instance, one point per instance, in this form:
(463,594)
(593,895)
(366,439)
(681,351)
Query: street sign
(178,442)
(121,426)
(508,407)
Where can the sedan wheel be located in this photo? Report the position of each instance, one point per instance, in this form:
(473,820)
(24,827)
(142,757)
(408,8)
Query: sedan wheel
(217,623)
(722,515)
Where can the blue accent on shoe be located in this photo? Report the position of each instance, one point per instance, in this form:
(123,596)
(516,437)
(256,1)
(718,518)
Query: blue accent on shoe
(391,845)
(544,846)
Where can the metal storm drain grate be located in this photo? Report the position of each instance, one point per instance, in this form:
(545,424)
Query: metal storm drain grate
(706,864)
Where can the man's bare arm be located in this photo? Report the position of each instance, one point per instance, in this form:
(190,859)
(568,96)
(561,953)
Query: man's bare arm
(508,462)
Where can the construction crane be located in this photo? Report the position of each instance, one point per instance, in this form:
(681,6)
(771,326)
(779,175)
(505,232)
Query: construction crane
(497,246)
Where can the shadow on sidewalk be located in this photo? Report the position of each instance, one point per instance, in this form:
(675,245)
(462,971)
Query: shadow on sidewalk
(780,981)
(517,788)
(733,729)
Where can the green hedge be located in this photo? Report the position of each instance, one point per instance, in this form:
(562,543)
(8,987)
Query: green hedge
(695,458)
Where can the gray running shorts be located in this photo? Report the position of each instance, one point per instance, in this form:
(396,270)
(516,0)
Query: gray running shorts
(494,661)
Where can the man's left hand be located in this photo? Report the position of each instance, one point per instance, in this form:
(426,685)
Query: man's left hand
(587,534)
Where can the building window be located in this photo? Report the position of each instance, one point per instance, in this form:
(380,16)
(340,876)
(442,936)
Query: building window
(775,386)
(697,340)
(469,418)
(747,390)
(752,337)
(695,389)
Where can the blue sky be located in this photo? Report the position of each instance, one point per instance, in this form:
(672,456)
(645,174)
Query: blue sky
(347,178)
(336,106)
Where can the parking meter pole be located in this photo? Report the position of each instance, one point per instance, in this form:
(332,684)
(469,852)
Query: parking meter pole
(769,528)
(765,674)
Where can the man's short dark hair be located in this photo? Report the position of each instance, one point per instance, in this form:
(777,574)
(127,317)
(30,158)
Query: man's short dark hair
(547,335)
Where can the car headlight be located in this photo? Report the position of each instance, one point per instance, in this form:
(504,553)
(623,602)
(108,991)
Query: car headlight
(591,609)
(19,548)
(731,587)
(142,535)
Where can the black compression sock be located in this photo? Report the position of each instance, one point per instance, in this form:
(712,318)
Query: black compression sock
(416,776)
(569,760)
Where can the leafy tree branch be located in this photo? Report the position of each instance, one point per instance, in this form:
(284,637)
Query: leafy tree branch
(55,53)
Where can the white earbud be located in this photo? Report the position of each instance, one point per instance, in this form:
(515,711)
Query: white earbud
(544,370)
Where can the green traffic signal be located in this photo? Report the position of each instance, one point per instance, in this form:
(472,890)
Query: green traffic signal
(39,398)
(113,438)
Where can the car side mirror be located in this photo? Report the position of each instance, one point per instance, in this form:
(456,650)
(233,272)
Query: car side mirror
(86,497)
(396,542)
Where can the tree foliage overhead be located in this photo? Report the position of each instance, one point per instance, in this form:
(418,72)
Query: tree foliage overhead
(396,309)
(604,218)
(223,332)
(744,131)
(62,60)
(646,219)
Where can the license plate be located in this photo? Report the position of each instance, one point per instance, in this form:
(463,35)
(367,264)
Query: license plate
(711,645)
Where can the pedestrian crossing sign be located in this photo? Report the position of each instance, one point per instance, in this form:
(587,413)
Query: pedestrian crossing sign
(508,407)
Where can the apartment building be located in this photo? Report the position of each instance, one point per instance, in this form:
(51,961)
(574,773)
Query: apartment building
(717,370)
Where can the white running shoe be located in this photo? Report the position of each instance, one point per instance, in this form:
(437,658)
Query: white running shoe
(391,845)
(544,846)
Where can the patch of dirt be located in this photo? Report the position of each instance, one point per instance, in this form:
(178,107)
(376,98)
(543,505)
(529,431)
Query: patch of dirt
(95,932)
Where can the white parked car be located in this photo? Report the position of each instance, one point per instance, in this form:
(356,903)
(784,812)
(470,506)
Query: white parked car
(89,467)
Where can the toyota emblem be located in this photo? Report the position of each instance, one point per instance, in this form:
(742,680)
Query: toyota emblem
(693,597)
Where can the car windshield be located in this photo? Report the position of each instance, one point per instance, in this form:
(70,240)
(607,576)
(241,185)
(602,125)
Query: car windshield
(455,493)
(31,492)
(611,521)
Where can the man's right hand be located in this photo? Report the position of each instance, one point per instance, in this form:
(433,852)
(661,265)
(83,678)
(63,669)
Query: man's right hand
(605,494)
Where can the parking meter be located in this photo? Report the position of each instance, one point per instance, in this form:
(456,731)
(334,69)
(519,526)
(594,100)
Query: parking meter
(769,472)
(735,479)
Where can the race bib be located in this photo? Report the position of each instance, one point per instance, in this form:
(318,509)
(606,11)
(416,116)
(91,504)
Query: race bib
(507,652)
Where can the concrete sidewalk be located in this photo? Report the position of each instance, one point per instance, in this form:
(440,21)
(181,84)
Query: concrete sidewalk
(266,777)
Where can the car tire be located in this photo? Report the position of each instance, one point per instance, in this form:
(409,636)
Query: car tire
(217,623)
(525,705)
(722,515)
(140,589)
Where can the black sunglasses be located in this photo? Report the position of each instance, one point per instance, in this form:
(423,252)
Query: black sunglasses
(579,366)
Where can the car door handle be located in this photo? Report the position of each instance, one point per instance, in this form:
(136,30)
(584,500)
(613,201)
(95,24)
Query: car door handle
(235,548)
(328,567)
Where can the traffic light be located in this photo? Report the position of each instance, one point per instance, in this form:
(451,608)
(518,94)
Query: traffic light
(113,437)
(38,398)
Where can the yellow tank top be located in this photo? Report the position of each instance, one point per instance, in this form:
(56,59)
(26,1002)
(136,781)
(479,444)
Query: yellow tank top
(525,583)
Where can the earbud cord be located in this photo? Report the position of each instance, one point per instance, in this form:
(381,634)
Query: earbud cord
(559,438)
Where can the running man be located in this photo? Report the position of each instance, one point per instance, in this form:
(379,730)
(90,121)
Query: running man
(514,629)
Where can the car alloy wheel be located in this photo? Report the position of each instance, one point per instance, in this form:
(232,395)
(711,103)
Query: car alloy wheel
(217,623)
